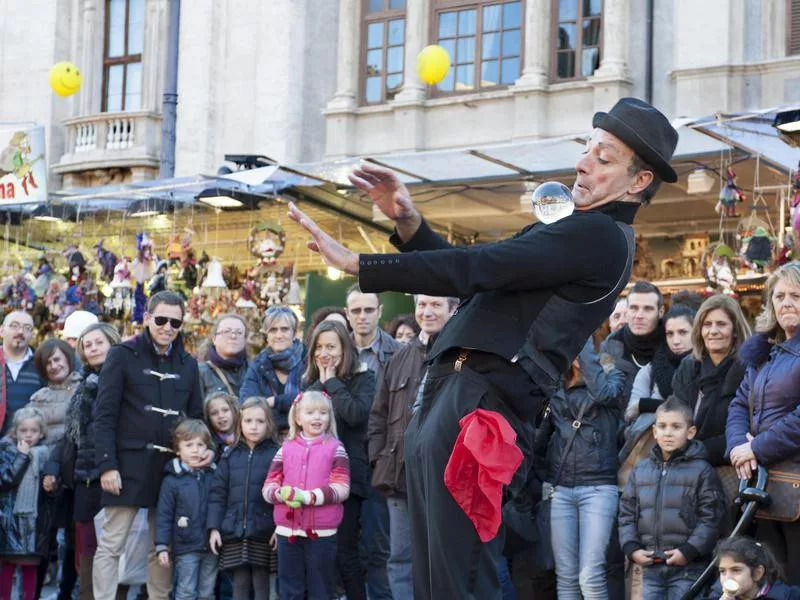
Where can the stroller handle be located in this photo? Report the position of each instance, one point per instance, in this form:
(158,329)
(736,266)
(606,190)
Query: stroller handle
(751,498)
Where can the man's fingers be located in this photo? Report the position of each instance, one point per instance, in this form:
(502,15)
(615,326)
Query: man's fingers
(360,182)
(376,170)
(367,177)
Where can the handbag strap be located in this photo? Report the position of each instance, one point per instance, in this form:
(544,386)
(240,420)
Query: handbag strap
(221,375)
(576,425)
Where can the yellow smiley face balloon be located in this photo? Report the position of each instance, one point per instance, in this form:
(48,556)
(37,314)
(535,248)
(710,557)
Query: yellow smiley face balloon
(65,78)
(433,63)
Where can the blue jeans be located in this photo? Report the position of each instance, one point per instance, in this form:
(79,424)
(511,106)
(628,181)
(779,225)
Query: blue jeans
(661,582)
(375,531)
(306,568)
(399,565)
(581,520)
(195,576)
(504,575)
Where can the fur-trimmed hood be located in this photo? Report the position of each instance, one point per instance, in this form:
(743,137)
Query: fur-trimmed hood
(756,350)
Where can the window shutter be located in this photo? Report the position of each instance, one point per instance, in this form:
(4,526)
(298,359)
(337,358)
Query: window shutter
(794,27)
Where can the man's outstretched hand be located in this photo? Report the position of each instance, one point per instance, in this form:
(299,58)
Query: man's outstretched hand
(333,253)
(389,195)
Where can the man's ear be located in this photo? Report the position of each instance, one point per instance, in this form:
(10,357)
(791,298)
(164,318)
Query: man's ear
(640,182)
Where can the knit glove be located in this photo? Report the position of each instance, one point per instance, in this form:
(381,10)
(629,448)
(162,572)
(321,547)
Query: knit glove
(293,497)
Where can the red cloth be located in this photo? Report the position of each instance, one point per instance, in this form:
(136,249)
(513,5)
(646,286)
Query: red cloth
(484,458)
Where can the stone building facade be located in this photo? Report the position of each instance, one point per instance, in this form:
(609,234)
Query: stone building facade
(304,80)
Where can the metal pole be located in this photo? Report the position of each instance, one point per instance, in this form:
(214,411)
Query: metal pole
(169,110)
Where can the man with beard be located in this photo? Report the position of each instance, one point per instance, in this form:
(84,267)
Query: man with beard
(20,379)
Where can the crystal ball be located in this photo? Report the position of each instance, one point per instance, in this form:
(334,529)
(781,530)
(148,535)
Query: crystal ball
(552,201)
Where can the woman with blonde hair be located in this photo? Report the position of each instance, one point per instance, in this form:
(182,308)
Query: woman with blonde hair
(764,419)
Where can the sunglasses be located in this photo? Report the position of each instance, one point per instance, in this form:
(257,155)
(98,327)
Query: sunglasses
(161,321)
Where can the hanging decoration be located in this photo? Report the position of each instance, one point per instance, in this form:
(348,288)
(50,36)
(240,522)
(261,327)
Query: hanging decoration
(756,235)
(719,264)
(143,270)
(729,196)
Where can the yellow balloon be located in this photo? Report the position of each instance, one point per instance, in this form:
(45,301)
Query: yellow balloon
(433,63)
(65,78)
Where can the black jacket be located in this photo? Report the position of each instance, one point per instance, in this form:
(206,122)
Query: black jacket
(712,416)
(778,591)
(678,504)
(236,507)
(532,299)
(133,382)
(352,400)
(182,509)
(592,458)
(211,382)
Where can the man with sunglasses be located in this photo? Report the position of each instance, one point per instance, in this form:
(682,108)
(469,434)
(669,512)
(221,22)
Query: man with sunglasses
(148,384)
(20,378)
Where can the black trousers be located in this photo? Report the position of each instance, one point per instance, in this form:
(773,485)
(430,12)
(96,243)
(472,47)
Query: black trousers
(449,560)
(784,541)
(348,555)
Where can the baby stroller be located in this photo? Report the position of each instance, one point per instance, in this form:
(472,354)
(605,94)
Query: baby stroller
(750,498)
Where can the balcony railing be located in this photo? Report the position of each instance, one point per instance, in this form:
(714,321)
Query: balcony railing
(107,140)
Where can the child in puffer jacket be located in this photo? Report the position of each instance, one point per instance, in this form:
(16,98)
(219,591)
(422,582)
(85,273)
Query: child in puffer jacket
(673,507)
(308,482)
(182,512)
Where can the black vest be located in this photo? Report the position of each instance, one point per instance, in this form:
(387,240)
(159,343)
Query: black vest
(542,330)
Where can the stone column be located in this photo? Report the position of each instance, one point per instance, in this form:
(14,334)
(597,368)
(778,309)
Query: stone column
(416,39)
(615,50)
(538,42)
(347,61)
(91,58)
(612,80)
(530,90)
(154,53)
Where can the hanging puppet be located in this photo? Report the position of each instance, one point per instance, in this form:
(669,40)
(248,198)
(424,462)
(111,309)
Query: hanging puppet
(143,270)
(107,260)
(758,253)
(160,280)
(730,195)
(119,305)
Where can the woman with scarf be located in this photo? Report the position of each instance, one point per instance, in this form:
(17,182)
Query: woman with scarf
(707,381)
(226,364)
(73,460)
(277,371)
(652,385)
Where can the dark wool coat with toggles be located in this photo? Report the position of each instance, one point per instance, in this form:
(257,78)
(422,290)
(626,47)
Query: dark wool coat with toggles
(126,426)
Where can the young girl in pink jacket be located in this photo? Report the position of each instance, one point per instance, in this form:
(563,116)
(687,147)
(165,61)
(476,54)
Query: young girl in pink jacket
(308,482)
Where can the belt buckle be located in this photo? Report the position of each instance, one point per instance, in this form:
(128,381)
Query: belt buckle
(462,356)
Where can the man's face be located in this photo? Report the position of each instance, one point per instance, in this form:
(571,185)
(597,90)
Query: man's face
(602,172)
(432,312)
(643,313)
(17,331)
(166,332)
(618,318)
(363,312)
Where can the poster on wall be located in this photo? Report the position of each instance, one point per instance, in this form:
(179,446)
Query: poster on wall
(23,170)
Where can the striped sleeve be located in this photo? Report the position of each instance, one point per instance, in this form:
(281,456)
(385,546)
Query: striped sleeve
(338,488)
(274,479)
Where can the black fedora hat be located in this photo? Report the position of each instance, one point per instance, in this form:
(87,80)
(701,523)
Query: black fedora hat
(645,130)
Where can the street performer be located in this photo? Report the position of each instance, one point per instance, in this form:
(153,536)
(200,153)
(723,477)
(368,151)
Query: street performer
(529,305)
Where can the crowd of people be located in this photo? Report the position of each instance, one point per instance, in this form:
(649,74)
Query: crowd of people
(283,475)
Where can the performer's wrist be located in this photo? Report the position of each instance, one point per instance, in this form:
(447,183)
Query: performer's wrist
(407,226)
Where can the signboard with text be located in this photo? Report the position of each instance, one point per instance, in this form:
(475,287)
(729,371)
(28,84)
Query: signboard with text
(23,170)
